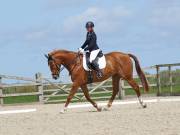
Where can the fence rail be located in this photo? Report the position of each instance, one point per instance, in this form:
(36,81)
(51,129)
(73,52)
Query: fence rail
(60,91)
(169,66)
(50,92)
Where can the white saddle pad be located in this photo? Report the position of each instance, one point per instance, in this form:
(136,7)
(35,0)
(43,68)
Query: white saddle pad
(101,62)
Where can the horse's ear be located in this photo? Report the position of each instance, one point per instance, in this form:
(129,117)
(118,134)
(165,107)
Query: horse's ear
(50,57)
(46,56)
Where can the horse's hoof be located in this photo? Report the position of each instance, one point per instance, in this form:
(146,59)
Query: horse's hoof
(99,109)
(105,109)
(63,111)
(144,106)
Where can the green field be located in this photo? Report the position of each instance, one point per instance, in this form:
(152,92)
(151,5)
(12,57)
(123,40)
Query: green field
(20,99)
(30,99)
(165,90)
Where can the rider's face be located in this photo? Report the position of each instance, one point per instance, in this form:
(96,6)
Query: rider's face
(89,29)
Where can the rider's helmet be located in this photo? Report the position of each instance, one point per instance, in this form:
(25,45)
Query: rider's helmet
(89,24)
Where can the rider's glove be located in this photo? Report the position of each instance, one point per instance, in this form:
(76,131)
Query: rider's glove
(81,50)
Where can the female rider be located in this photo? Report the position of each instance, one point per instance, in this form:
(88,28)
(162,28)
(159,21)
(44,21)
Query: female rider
(91,46)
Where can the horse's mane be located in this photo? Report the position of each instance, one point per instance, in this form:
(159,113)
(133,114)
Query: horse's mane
(61,51)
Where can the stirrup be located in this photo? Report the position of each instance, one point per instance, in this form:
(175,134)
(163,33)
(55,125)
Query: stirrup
(99,74)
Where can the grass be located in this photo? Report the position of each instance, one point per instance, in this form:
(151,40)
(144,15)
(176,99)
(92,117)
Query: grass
(20,99)
(30,99)
(153,90)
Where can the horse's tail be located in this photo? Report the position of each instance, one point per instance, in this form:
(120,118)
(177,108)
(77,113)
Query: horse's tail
(140,73)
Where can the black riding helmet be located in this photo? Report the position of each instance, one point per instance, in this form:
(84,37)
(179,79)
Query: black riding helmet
(89,24)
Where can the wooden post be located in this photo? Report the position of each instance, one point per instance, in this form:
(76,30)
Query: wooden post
(158,81)
(1,92)
(170,79)
(40,87)
(121,90)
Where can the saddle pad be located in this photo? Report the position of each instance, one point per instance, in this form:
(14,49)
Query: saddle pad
(101,62)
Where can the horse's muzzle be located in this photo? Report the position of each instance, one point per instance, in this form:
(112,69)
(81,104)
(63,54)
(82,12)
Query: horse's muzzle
(55,77)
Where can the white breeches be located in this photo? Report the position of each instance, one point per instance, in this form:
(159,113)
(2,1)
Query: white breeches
(94,54)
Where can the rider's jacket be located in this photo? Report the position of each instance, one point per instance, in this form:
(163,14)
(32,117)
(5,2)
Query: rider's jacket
(90,43)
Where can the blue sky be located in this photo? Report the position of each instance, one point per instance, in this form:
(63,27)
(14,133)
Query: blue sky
(149,29)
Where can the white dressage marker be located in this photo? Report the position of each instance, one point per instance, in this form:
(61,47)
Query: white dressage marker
(127,102)
(17,111)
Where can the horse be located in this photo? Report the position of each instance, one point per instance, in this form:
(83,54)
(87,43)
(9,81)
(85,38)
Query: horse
(118,66)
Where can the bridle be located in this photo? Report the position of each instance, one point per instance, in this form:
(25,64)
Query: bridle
(63,67)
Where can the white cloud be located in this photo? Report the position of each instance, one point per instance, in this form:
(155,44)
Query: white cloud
(106,20)
(166,16)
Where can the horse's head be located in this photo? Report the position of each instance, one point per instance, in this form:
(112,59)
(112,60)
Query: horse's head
(54,66)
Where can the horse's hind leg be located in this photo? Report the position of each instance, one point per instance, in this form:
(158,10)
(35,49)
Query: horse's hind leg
(135,86)
(115,84)
(86,94)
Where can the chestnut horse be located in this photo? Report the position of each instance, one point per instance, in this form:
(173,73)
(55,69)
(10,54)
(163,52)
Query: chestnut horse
(119,66)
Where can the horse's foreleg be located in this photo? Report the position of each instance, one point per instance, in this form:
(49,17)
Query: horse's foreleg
(135,86)
(70,96)
(115,83)
(86,94)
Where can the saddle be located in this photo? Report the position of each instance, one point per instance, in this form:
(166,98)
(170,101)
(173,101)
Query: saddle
(100,60)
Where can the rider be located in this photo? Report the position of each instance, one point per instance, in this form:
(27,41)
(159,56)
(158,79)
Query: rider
(91,46)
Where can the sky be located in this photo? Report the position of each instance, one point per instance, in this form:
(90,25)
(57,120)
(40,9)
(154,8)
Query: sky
(150,29)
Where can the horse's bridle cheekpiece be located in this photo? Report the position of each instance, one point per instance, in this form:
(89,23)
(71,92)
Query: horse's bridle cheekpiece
(50,58)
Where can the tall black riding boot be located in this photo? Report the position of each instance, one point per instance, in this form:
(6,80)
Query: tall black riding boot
(96,67)
(99,73)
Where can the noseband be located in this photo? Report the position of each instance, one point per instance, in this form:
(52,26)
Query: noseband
(63,67)
(57,65)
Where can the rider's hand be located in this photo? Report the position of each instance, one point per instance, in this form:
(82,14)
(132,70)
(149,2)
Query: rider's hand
(80,50)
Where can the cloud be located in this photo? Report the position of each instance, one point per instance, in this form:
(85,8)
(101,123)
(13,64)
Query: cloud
(21,35)
(69,29)
(163,3)
(165,13)
(166,16)
(106,20)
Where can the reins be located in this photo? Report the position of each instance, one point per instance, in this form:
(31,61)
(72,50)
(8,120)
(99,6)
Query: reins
(72,62)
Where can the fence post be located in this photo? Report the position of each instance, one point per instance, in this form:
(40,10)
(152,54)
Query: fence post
(158,81)
(170,78)
(1,92)
(121,90)
(40,87)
